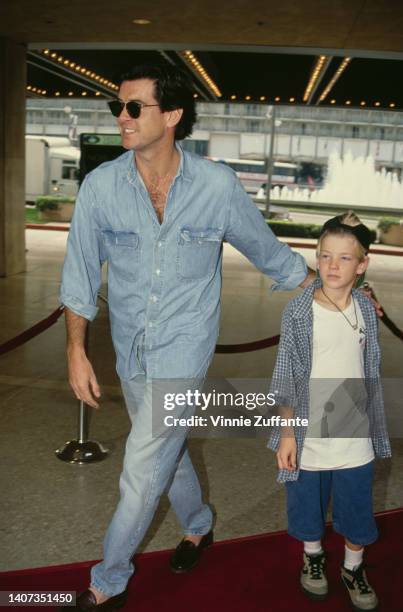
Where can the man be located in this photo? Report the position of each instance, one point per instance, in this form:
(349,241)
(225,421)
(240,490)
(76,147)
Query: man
(158,216)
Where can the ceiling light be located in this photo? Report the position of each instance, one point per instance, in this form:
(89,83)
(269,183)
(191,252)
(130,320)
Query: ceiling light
(57,93)
(83,93)
(336,76)
(195,65)
(277,99)
(77,68)
(333,101)
(348,102)
(377,103)
(142,21)
(233,97)
(392,105)
(292,99)
(317,71)
(262,98)
(362,103)
(247,97)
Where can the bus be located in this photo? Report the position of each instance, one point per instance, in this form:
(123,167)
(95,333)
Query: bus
(253,173)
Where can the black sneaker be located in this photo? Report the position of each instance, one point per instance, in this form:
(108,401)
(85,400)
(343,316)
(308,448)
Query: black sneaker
(361,593)
(313,577)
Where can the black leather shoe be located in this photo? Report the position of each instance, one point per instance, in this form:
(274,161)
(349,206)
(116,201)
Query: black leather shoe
(86,602)
(187,554)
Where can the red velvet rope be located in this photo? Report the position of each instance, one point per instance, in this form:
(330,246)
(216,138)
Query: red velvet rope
(223,349)
(31,332)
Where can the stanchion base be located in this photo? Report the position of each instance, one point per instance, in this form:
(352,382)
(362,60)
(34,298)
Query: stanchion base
(82,452)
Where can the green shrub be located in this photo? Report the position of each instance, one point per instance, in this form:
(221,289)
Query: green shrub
(52,202)
(385,223)
(294,230)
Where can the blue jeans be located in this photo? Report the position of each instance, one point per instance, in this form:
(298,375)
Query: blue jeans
(153,464)
(353,517)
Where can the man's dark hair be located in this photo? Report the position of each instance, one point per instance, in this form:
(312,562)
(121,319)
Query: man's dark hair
(172,90)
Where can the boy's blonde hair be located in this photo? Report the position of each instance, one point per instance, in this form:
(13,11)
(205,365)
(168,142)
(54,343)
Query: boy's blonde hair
(351,219)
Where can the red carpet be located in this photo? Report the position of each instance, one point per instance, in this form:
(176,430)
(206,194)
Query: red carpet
(255,574)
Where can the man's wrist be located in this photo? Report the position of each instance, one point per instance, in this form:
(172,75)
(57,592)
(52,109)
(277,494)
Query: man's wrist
(310,277)
(75,350)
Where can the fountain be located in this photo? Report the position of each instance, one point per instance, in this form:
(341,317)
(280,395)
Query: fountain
(351,181)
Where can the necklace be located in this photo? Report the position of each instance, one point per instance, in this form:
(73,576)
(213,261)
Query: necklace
(355,325)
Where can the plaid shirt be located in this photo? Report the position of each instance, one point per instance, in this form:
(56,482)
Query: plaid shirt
(290,381)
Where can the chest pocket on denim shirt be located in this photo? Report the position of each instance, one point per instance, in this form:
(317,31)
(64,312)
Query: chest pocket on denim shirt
(198,252)
(123,252)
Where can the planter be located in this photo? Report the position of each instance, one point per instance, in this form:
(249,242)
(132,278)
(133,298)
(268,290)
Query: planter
(393,236)
(63,212)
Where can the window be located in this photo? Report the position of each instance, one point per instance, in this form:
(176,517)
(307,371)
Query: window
(69,170)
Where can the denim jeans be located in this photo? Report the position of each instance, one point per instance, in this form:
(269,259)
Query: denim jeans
(351,489)
(153,464)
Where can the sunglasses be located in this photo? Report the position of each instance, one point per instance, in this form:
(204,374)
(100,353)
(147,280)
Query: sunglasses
(133,108)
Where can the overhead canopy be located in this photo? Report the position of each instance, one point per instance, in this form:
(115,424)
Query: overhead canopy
(251,50)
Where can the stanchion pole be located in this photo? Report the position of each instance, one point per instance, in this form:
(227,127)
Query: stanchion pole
(82,450)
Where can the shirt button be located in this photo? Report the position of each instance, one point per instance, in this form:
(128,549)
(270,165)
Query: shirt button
(153,298)
(159,244)
(158,271)
(150,324)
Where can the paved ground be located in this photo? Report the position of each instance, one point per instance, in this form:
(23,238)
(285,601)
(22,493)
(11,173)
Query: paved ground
(53,512)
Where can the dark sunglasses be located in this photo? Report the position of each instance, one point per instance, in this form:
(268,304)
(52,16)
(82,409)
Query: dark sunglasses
(133,108)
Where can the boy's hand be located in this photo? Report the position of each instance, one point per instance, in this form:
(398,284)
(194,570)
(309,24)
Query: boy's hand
(287,454)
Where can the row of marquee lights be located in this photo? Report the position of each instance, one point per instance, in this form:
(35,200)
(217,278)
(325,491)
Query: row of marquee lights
(277,99)
(43,92)
(78,69)
(197,66)
(335,78)
(318,68)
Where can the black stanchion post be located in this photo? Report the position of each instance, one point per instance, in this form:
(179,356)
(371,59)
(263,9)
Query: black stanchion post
(82,450)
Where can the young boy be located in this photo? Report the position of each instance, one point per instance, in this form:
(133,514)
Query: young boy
(328,355)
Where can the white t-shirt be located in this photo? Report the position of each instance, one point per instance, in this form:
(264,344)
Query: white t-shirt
(338,431)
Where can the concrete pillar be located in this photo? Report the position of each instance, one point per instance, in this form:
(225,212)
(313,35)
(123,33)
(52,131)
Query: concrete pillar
(12,156)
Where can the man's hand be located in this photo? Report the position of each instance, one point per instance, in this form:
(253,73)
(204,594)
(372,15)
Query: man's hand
(287,454)
(310,277)
(82,378)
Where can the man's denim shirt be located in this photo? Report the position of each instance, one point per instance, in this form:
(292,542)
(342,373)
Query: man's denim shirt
(164,280)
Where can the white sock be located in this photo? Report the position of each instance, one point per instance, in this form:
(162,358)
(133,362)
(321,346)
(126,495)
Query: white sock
(352,558)
(313,548)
